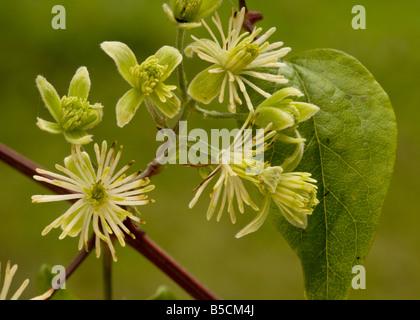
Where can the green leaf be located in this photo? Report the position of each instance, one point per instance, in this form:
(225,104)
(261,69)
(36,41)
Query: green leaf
(44,283)
(350,151)
(163,293)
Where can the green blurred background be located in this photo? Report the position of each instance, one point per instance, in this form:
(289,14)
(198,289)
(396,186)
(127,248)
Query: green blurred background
(259,266)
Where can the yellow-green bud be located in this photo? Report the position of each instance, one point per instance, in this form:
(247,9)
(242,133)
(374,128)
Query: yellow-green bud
(78,114)
(186,10)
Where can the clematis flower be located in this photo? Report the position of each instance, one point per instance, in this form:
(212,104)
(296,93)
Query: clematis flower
(235,166)
(236,59)
(99,195)
(282,111)
(186,14)
(147,80)
(294,193)
(73,114)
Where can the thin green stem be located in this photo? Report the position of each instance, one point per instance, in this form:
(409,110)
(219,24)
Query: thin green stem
(107,273)
(160,120)
(181,73)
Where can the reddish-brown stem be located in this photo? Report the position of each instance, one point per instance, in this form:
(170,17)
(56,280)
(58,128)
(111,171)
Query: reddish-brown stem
(251,17)
(142,243)
(77,261)
(167,264)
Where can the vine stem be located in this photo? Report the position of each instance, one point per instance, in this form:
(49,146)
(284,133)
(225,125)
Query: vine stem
(181,74)
(77,261)
(142,243)
(168,265)
(159,120)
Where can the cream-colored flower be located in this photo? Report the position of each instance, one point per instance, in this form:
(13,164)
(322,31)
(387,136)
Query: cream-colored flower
(235,59)
(243,161)
(294,193)
(100,195)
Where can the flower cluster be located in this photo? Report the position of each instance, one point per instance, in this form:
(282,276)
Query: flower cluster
(294,193)
(103,196)
(237,59)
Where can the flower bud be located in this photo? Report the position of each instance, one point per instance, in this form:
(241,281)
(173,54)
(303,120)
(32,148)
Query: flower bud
(284,112)
(186,10)
(78,114)
(187,14)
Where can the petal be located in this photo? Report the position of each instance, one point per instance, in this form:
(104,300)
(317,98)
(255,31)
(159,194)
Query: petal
(281,120)
(127,106)
(71,166)
(77,225)
(80,84)
(207,8)
(279,96)
(77,137)
(168,56)
(206,86)
(50,127)
(258,220)
(170,107)
(296,218)
(94,117)
(169,14)
(306,110)
(123,57)
(189,25)
(50,97)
